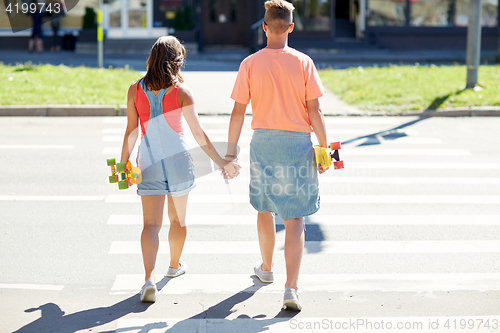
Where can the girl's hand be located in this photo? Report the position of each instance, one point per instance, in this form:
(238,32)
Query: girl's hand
(231,170)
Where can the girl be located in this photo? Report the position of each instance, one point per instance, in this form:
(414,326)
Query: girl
(158,101)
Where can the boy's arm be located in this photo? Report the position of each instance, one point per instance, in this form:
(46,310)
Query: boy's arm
(317,121)
(318,124)
(235,125)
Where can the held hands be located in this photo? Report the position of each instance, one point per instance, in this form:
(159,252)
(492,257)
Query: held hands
(231,169)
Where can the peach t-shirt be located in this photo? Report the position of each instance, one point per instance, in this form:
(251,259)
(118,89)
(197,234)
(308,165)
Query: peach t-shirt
(278,82)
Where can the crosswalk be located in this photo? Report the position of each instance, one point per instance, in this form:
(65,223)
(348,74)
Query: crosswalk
(410,213)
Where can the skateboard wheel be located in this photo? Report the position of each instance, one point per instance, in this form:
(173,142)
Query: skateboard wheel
(111,161)
(338,165)
(121,167)
(113,179)
(123,185)
(335,146)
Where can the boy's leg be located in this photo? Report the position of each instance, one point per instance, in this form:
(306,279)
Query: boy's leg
(294,247)
(152,208)
(266,230)
(177,207)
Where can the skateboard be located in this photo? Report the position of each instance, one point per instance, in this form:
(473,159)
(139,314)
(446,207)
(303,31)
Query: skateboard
(124,174)
(324,156)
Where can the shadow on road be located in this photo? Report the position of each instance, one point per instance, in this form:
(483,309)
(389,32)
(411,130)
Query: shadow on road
(54,319)
(390,134)
(216,315)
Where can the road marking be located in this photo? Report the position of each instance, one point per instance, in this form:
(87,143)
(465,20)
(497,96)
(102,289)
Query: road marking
(337,178)
(113,131)
(115,120)
(231,283)
(376,151)
(31,286)
(51,198)
(336,199)
(324,220)
(401,140)
(324,247)
(419,165)
(37,147)
(362,151)
(112,138)
(284,324)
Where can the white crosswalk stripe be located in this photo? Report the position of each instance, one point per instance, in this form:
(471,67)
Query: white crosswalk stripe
(425,220)
(350,247)
(338,199)
(401,151)
(213,283)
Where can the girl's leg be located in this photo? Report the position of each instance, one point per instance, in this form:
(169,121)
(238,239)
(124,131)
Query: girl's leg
(152,210)
(266,230)
(294,247)
(177,207)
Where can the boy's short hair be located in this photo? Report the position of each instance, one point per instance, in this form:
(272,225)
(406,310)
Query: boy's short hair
(279,15)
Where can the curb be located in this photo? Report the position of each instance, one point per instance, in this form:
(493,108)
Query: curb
(110,110)
(59,110)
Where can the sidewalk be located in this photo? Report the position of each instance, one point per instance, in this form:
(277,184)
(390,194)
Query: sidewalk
(211,76)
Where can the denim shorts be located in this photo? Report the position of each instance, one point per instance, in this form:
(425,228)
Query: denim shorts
(173,175)
(283,173)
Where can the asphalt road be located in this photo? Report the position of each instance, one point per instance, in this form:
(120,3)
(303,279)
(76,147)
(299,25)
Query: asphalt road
(407,238)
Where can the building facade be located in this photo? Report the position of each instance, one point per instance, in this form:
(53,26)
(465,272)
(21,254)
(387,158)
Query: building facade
(393,24)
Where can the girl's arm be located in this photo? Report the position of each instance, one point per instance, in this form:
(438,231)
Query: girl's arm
(318,124)
(131,132)
(186,102)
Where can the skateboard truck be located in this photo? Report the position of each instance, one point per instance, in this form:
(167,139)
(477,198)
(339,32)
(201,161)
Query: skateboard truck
(124,174)
(324,156)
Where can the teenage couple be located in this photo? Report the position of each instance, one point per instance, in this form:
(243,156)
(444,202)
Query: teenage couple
(283,86)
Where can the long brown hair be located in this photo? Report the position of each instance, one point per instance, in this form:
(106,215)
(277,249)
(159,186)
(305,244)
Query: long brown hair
(164,63)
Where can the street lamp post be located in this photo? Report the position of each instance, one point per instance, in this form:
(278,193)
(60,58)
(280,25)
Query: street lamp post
(473,42)
(100,36)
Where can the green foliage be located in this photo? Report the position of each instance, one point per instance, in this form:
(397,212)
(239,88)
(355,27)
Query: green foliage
(184,18)
(401,88)
(26,84)
(89,19)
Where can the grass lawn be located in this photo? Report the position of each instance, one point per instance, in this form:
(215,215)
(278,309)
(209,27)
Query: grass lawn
(393,89)
(401,88)
(46,84)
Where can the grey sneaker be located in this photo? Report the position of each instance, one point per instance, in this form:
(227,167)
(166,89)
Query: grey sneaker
(175,272)
(291,300)
(264,276)
(149,293)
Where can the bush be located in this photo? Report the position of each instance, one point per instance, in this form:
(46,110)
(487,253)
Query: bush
(89,19)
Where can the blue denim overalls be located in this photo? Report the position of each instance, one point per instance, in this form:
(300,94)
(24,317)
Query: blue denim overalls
(163,157)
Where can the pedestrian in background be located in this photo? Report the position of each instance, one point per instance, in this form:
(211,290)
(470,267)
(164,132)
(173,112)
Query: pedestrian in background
(36,40)
(55,24)
(283,86)
(158,101)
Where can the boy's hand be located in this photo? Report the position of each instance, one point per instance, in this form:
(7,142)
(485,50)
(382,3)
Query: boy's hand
(321,170)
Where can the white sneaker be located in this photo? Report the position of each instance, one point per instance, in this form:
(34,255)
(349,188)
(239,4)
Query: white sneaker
(175,272)
(149,293)
(291,300)
(264,276)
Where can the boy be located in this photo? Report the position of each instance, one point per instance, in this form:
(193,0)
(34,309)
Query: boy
(284,88)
